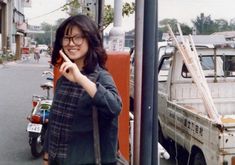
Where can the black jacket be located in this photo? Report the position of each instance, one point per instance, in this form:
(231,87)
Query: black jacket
(80,143)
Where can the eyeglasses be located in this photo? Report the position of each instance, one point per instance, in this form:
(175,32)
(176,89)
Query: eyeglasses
(77,40)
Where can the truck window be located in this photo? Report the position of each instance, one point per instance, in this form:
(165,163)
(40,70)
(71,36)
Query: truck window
(164,68)
(222,66)
(229,66)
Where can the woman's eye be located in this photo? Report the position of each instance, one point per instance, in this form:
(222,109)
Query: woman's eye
(77,37)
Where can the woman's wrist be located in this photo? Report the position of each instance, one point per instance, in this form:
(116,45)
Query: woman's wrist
(88,85)
(45,157)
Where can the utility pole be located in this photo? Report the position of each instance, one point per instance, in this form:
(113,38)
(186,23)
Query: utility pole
(51,37)
(148,138)
(116,34)
(139,23)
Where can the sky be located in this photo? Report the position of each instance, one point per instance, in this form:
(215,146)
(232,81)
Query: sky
(41,7)
(182,10)
(38,12)
(186,10)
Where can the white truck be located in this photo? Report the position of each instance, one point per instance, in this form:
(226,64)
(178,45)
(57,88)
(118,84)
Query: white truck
(182,119)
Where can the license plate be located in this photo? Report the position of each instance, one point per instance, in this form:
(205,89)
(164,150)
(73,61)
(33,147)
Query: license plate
(32,127)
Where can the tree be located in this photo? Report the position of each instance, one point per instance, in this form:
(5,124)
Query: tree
(173,24)
(71,7)
(186,30)
(49,32)
(127,9)
(232,24)
(221,25)
(43,38)
(204,24)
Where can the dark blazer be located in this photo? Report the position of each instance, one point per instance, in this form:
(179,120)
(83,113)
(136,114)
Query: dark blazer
(108,103)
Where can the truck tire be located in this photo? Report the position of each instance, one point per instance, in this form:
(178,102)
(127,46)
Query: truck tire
(161,138)
(199,159)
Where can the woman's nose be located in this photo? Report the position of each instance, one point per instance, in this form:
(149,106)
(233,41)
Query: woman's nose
(71,42)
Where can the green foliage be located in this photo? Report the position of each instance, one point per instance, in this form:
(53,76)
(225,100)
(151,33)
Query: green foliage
(71,7)
(43,38)
(109,15)
(163,25)
(204,24)
(7,56)
(221,25)
(186,30)
(173,24)
(128,8)
(50,30)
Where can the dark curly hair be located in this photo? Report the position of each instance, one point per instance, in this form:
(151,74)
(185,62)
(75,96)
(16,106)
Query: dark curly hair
(96,53)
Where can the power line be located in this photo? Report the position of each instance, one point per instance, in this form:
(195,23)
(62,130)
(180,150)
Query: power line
(49,12)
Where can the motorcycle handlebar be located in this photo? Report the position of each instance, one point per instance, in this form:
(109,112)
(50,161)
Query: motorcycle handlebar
(47,72)
(51,78)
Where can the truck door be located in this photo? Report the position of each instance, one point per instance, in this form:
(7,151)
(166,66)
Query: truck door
(163,71)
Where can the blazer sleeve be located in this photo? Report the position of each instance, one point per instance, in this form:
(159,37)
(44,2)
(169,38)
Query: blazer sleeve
(107,98)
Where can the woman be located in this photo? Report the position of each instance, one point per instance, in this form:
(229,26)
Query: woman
(36,53)
(84,83)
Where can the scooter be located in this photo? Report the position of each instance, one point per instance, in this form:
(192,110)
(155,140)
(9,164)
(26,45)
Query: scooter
(39,118)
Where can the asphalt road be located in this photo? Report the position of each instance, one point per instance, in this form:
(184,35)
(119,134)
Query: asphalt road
(18,82)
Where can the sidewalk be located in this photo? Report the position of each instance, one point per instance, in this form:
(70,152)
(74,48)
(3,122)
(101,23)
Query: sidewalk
(29,60)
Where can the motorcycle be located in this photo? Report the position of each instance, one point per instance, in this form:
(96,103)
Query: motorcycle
(39,118)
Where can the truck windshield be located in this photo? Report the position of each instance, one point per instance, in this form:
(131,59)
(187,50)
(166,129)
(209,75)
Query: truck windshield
(220,66)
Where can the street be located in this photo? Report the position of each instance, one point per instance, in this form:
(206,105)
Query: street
(19,81)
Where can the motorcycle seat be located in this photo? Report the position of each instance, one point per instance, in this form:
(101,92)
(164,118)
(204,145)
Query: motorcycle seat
(47,85)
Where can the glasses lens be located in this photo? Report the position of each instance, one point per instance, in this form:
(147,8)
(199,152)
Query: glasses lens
(65,41)
(77,40)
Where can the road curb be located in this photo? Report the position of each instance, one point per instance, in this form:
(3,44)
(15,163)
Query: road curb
(9,62)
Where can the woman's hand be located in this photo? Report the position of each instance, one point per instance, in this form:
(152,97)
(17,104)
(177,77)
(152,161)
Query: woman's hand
(69,69)
(45,159)
(45,162)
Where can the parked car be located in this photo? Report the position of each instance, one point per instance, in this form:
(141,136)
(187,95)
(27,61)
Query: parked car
(42,47)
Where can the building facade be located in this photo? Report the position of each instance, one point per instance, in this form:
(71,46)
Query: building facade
(12,26)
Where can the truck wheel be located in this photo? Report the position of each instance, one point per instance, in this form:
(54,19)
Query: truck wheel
(199,159)
(161,138)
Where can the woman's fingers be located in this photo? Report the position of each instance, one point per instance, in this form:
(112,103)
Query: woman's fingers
(68,68)
(64,56)
(65,67)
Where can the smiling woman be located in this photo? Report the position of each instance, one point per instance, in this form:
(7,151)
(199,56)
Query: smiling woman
(84,84)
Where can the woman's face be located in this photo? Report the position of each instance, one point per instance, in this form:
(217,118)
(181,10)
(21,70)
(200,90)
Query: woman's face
(75,45)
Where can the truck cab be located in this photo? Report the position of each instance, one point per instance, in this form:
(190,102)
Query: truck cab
(183,120)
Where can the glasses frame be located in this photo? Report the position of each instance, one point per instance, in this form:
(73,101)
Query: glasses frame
(81,37)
